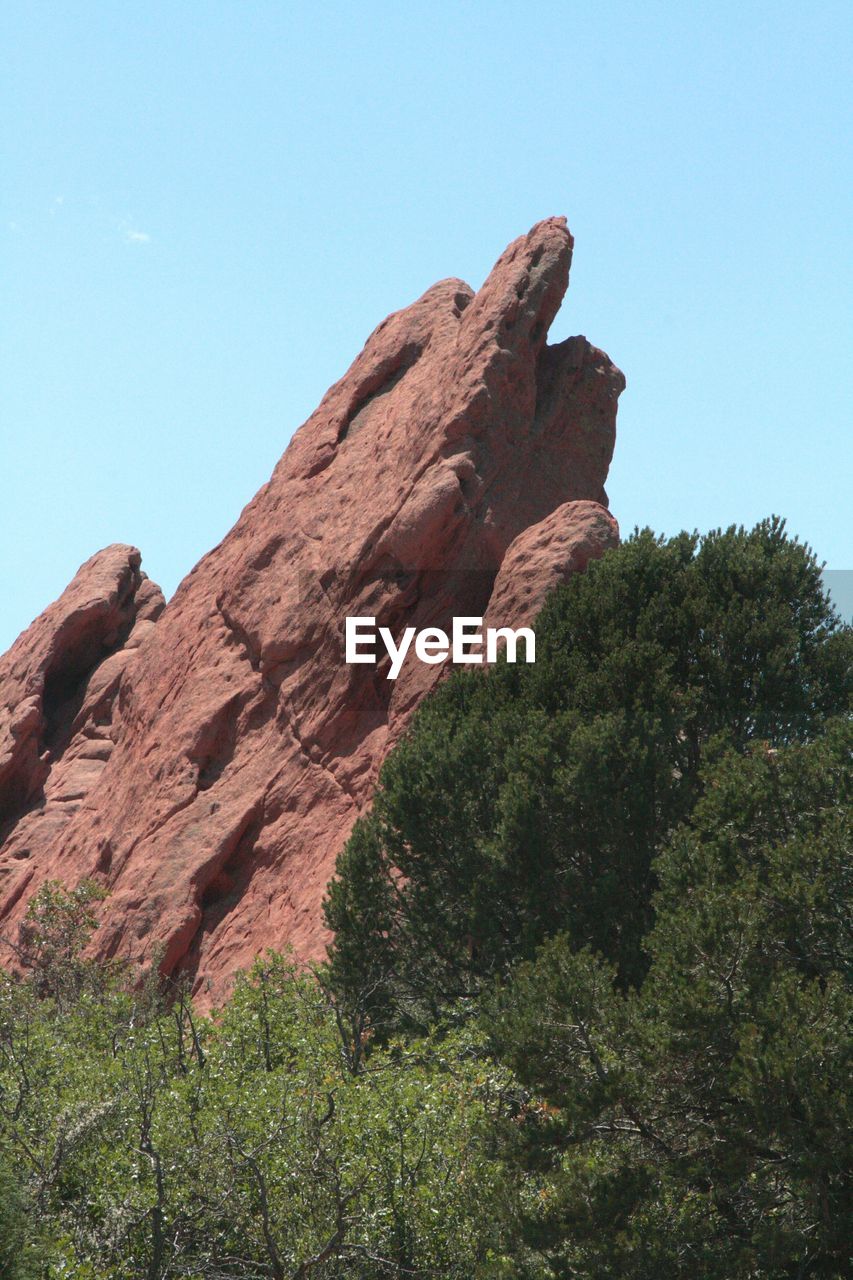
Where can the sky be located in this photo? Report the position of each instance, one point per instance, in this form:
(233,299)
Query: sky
(206,207)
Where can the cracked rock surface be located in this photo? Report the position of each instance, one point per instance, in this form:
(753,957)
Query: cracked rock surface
(206,761)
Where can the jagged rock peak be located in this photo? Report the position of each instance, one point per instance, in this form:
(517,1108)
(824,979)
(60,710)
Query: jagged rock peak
(458,467)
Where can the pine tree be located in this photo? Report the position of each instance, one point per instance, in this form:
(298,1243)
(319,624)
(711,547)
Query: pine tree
(533,800)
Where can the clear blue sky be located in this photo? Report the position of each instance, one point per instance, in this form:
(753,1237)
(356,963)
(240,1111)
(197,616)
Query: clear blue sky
(207,206)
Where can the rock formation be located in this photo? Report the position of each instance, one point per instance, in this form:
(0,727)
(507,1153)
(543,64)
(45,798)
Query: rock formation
(208,766)
(58,685)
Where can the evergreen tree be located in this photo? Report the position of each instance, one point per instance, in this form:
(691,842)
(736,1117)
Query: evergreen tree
(532,800)
(701,1126)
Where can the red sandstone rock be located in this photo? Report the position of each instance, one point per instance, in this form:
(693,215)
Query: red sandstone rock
(436,472)
(545,555)
(57,689)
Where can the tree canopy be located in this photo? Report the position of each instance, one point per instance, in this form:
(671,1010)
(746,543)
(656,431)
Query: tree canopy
(701,1125)
(534,799)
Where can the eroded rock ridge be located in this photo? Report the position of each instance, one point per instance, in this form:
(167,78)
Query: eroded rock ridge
(207,760)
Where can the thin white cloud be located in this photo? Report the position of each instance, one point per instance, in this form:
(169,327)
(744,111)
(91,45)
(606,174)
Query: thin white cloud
(133,236)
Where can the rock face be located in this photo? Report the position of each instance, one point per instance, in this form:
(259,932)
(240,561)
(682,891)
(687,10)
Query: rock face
(209,771)
(545,555)
(58,685)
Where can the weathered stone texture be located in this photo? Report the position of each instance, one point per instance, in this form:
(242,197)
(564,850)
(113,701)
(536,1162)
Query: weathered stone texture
(209,771)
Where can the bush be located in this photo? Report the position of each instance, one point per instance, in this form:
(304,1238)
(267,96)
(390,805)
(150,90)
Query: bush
(157,1143)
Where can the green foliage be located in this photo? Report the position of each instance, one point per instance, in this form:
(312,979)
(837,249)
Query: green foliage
(533,800)
(701,1125)
(155,1143)
(19,1259)
(51,940)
